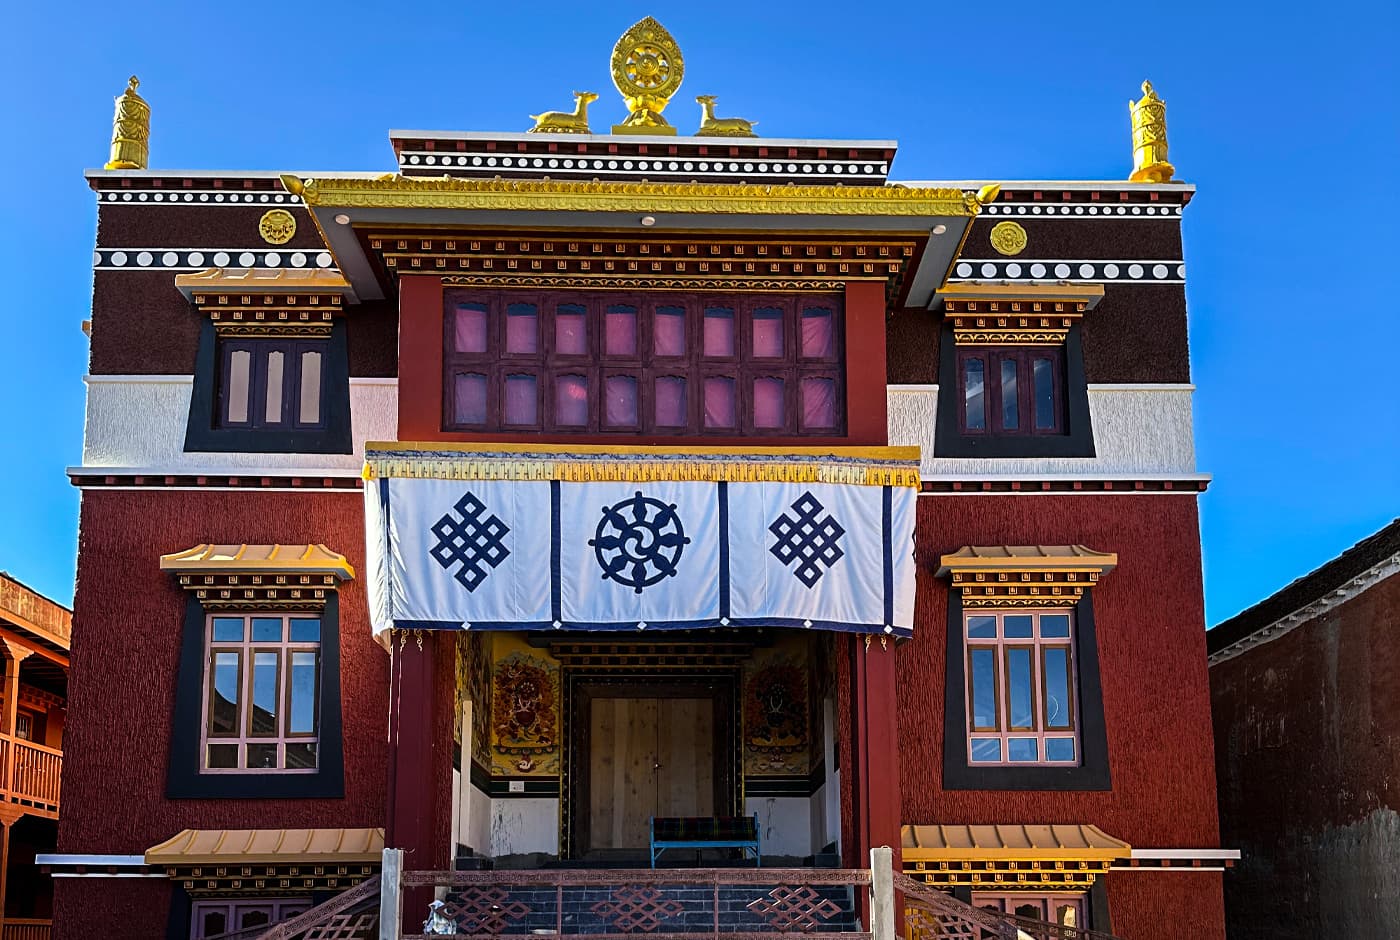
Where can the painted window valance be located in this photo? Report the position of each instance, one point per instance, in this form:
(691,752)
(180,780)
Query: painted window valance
(580,538)
(1024,575)
(1016,314)
(1023,856)
(259,576)
(268,301)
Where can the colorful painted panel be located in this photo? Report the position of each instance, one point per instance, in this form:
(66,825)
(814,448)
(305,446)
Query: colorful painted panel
(776,710)
(525,712)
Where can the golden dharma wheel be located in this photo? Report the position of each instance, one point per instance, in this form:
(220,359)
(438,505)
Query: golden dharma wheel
(647,66)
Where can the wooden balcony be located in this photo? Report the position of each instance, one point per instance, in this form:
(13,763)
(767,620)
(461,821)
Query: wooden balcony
(29,777)
(26,928)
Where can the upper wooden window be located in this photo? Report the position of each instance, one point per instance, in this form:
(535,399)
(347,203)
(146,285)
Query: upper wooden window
(1011,390)
(272,383)
(654,363)
(1021,684)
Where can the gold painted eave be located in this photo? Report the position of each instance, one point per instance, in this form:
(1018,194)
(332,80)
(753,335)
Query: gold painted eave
(288,559)
(267,846)
(1044,292)
(1002,559)
(1015,842)
(401,192)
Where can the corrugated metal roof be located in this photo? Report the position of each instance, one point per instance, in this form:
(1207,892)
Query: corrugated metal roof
(215,846)
(301,558)
(1007,841)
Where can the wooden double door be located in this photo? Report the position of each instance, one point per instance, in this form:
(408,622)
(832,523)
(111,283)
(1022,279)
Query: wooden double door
(648,750)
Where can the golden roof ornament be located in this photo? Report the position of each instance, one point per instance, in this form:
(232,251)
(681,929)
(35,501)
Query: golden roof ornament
(131,130)
(711,126)
(1149,114)
(647,69)
(566,122)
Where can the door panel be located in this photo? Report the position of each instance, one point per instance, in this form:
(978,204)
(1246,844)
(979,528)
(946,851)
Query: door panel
(685,751)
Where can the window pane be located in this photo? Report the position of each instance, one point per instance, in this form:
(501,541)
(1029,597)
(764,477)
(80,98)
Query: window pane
(1044,372)
(301,756)
(571,330)
(223,707)
(305,630)
(984,689)
(254,918)
(1022,749)
(214,922)
(620,330)
(521,401)
(469,399)
(668,331)
(1033,909)
(1055,626)
(818,335)
(228,629)
(1059,749)
(571,400)
(267,629)
(1017,626)
(223,755)
(1059,709)
(239,370)
(1020,691)
(620,408)
(1010,409)
(264,695)
(469,328)
(719,402)
(310,405)
(982,627)
(262,755)
(818,403)
(670,402)
(719,331)
(768,333)
(767,403)
(302,719)
(522,329)
(274,387)
(986,749)
(974,409)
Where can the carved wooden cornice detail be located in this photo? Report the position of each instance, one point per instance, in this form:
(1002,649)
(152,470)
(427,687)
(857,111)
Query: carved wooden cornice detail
(1079,874)
(240,591)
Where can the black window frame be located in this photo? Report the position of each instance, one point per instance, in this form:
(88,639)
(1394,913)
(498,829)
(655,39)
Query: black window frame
(206,431)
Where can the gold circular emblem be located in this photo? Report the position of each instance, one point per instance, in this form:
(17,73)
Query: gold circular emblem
(1008,238)
(647,63)
(277,226)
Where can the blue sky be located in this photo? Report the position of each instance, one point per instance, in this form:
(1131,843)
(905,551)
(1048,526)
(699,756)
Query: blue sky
(1287,119)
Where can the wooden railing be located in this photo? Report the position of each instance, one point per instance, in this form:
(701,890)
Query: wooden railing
(351,915)
(26,928)
(29,775)
(931,914)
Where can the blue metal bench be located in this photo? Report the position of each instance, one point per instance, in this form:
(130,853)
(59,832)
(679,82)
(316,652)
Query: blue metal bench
(705,832)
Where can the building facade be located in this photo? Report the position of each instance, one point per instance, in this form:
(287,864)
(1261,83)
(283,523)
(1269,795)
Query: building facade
(1305,693)
(558,481)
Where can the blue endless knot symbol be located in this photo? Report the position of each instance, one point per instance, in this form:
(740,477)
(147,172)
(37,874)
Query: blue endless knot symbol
(812,543)
(471,541)
(639,541)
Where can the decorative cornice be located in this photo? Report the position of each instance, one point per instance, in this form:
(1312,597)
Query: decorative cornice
(1009,874)
(606,282)
(1024,575)
(243,577)
(400,192)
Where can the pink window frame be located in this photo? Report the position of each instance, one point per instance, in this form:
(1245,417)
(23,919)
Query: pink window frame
(1000,645)
(245,650)
(1005,902)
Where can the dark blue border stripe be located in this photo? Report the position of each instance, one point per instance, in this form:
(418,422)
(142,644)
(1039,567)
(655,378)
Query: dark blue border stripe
(723,549)
(621,628)
(556,603)
(386,540)
(887,509)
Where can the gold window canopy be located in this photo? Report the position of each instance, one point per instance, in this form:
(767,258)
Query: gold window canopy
(984,313)
(268,301)
(1024,575)
(225,861)
(1010,856)
(242,577)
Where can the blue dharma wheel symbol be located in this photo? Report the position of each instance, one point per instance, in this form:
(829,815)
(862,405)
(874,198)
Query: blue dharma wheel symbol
(639,541)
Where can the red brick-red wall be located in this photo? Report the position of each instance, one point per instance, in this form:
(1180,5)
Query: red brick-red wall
(1166,905)
(111,908)
(127,623)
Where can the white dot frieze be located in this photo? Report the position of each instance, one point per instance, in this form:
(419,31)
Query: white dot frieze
(190,259)
(1079,270)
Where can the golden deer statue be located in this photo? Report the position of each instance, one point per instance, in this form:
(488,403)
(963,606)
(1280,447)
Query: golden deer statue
(711,126)
(566,122)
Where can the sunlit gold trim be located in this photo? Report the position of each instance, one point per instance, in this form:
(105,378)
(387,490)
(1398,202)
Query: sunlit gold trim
(1024,575)
(270,559)
(1041,843)
(267,846)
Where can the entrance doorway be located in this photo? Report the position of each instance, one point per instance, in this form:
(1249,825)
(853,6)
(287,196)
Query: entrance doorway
(647,747)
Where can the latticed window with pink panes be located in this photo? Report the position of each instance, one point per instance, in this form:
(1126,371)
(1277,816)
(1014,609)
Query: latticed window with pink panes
(652,363)
(261,692)
(1065,908)
(1021,706)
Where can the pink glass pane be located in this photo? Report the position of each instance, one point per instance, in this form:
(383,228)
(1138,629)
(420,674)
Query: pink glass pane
(620,331)
(670,402)
(818,403)
(469,399)
(571,400)
(570,330)
(469,328)
(620,405)
(521,402)
(767,403)
(818,339)
(522,329)
(719,332)
(719,402)
(767,333)
(668,331)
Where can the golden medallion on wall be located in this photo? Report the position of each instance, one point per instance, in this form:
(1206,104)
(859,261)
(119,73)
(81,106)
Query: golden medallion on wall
(1008,238)
(277,226)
